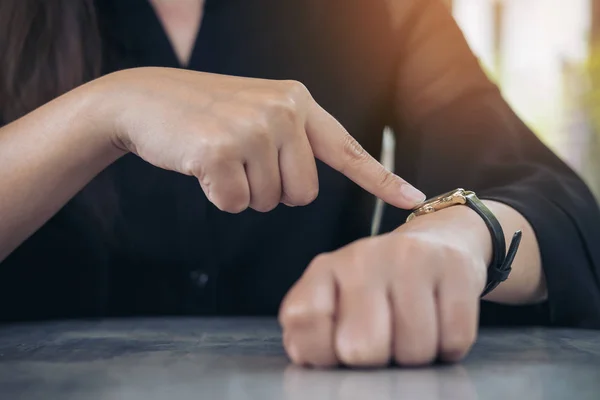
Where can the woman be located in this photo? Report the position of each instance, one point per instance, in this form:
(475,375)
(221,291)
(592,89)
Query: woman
(102,213)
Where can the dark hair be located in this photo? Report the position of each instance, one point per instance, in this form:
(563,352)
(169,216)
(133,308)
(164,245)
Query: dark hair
(47,48)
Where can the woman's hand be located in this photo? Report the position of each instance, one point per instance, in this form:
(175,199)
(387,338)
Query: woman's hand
(250,142)
(409,296)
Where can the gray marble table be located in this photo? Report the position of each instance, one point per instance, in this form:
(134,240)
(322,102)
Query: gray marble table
(243,359)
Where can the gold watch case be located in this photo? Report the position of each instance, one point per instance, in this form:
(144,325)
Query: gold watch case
(452,198)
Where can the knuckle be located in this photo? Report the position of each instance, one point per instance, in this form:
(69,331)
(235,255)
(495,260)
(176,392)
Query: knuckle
(231,202)
(261,132)
(286,109)
(298,311)
(221,151)
(386,178)
(305,197)
(237,208)
(194,166)
(467,270)
(265,197)
(353,151)
(457,344)
(457,255)
(302,313)
(265,206)
(310,195)
(357,276)
(409,246)
(460,260)
(415,355)
(321,260)
(459,335)
(355,353)
(296,89)
(296,314)
(410,243)
(234,205)
(410,256)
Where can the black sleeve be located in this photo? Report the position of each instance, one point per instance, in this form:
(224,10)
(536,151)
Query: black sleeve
(455,130)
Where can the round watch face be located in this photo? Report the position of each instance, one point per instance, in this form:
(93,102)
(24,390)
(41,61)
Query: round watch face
(457,196)
(444,197)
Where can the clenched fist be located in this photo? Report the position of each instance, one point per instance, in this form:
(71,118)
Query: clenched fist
(408,297)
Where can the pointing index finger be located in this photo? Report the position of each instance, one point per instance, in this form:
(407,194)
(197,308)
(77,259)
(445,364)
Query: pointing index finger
(333,145)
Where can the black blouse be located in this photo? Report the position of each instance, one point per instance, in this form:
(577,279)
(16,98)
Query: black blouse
(143,241)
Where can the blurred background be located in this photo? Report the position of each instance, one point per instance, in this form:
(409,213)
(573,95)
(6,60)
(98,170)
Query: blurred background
(545,56)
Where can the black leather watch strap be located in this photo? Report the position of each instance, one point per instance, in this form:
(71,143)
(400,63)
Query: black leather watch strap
(500,267)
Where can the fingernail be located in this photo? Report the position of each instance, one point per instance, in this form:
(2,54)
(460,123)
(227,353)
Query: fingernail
(412,194)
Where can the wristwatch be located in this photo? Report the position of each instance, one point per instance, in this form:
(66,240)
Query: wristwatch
(500,267)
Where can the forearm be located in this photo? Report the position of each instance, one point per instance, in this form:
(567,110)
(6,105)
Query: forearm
(47,157)
(526,283)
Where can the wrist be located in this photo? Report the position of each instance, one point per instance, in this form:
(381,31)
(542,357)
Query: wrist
(479,234)
(104,110)
(477,228)
(83,130)
(462,224)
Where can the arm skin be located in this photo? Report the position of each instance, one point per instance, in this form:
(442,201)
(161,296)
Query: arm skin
(526,283)
(47,157)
